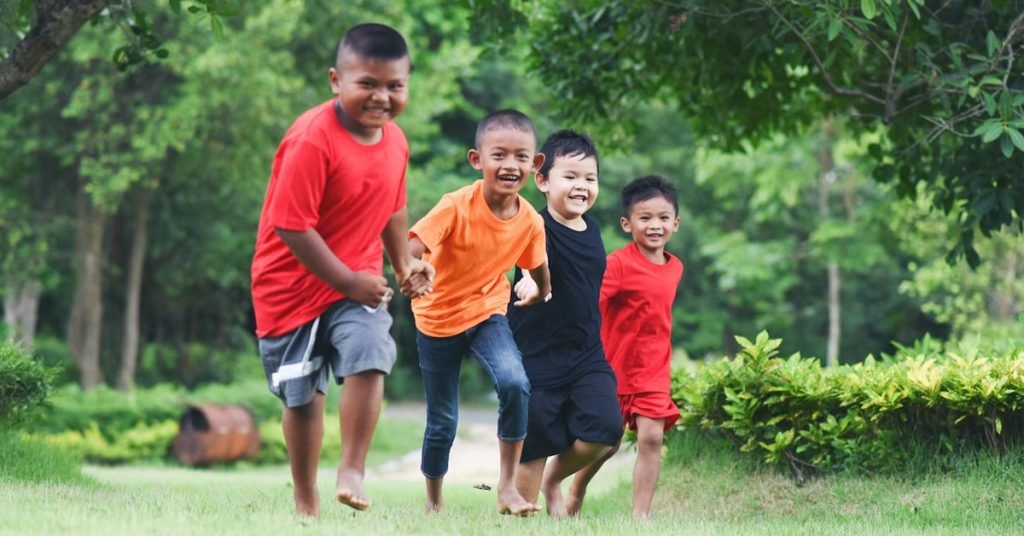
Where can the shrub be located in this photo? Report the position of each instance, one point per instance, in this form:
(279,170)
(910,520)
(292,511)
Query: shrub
(24,384)
(875,415)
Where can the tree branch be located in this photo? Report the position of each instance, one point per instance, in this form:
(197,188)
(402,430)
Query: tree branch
(847,92)
(56,23)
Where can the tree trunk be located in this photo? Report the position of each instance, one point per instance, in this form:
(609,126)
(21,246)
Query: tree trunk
(130,342)
(86,318)
(826,165)
(21,307)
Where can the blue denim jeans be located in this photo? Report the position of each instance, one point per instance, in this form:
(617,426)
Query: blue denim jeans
(492,344)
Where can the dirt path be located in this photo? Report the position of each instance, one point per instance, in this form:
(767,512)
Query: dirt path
(474,457)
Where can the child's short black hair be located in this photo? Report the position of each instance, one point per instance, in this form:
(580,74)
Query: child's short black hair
(504,119)
(374,42)
(648,187)
(566,143)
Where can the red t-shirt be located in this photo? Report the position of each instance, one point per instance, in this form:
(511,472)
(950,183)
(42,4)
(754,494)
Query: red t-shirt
(323,179)
(636,319)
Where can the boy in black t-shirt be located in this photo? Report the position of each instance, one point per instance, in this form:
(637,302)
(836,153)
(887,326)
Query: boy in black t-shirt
(574,412)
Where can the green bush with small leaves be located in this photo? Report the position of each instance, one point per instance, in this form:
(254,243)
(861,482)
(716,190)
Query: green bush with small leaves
(24,384)
(876,415)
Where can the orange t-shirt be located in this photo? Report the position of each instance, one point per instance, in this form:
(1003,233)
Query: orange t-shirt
(472,250)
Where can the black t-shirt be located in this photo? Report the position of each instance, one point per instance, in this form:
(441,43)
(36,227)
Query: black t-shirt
(561,339)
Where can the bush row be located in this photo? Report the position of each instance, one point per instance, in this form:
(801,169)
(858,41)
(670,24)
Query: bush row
(113,413)
(876,415)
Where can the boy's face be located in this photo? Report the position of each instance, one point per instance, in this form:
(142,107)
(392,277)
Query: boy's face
(506,157)
(371,92)
(571,185)
(652,223)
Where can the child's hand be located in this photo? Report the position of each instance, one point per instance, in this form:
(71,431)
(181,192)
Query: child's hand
(419,280)
(366,288)
(527,291)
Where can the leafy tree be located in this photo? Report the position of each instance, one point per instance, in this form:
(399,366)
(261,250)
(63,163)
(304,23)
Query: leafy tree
(941,79)
(31,33)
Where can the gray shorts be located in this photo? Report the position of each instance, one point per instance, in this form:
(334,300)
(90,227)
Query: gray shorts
(344,340)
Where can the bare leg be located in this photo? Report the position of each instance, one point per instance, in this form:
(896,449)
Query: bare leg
(359,409)
(649,436)
(528,478)
(576,458)
(509,499)
(435,500)
(303,434)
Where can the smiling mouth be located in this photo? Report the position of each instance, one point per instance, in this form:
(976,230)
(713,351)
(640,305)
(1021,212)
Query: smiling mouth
(580,198)
(511,179)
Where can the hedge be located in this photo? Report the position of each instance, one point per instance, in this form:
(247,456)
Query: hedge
(876,415)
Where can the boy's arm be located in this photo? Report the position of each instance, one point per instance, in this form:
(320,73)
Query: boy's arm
(416,247)
(415,277)
(542,291)
(311,250)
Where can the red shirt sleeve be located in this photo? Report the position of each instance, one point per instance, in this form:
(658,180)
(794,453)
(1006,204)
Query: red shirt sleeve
(300,187)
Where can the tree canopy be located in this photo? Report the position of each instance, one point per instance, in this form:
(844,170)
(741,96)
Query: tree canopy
(941,81)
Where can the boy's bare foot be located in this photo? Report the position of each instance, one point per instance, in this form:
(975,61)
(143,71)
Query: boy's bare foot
(435,507)
(349,489)
(554,499)
(307,504)
(573,504)
(641,516)
(510,502)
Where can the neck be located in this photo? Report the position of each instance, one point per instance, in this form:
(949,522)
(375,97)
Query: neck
(503,206)
(363,135)
(656,255)
(576,224)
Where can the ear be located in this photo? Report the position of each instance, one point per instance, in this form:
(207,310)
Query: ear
(538,161)
(474,159)
(542,183)
(677,225)
(335,79)
(624,222)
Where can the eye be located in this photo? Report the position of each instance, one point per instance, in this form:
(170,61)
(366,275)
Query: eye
(397,87)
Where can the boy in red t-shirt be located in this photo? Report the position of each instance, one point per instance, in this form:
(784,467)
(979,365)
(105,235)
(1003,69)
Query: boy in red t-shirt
(636,321)
(474,236)
(336,198)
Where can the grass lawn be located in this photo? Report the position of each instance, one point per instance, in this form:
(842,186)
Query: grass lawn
(705,489)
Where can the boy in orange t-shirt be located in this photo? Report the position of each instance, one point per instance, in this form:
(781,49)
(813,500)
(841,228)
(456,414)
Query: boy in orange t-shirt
(473,237)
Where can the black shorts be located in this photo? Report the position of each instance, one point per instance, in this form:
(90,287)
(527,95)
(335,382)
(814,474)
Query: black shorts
(586,409)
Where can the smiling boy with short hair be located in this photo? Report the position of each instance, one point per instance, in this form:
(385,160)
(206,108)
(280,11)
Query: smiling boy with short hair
(636,324)
(335,200)
(473,236)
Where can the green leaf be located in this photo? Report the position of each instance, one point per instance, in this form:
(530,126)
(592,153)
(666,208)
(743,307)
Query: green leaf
(868,7)
(989,130)
(917,13)
(833,28)
(1016,137)
(1007,146)
(990,103)
(993,43)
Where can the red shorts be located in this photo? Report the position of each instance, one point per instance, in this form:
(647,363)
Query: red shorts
(651,405)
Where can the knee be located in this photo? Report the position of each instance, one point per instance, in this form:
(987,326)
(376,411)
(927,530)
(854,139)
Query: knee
(441,430)
(513,385)
(648,439)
